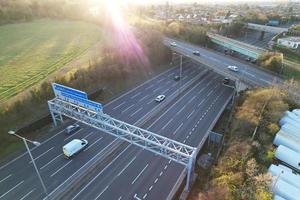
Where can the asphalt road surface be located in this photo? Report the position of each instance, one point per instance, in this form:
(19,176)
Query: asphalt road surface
(139,174)
(131,172)
(247,71)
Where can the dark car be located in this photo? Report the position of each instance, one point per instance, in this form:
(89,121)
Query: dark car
(72,128)
(226,81)
(176,78)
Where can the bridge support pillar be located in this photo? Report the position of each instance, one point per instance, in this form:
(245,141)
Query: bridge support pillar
(262,34)
(190,172)
(56,116)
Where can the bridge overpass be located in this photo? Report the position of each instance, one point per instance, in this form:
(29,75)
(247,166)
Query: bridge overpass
(264,28)
(237,46)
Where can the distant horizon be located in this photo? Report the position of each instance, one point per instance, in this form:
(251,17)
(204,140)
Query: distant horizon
(208,1)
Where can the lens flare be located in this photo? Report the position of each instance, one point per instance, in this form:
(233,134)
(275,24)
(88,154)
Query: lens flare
(123,38)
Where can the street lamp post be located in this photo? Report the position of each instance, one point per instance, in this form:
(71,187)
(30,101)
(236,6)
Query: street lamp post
(180,73)
(31,157)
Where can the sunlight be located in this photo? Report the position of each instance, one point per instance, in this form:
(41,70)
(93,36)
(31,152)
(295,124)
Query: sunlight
(124,40)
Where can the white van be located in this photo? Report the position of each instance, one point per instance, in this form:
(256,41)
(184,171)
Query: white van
(74,147)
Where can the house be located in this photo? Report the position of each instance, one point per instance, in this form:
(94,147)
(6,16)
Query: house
(289,42)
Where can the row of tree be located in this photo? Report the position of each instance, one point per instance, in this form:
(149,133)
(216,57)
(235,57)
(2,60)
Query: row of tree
(108,69)
(20,10)
(241,171)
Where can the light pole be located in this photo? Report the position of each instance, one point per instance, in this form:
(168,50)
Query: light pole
(180,74)
(180,71)
(28,150)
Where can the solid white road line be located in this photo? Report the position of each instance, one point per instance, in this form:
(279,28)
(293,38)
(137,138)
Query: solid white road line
(191,114)
(126,166)
(174,105)
(26,195)
(30,150)
(178,128)
(41,155)
(72,134)
(137,94)
(50,161)
(143,98)
(201,102)
(90,182)
(136,197)
(139,174)
(119,105)
(181,109)
(191,99)
(167,124)
(127,109)
(209,93)
(5,178)
(88,135)
(89,146)
(156,77)
(136,111)
(61,168)
(11,189)
(101,192)
(145,196)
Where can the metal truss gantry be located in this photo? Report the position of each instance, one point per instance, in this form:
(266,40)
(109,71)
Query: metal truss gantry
(170,149)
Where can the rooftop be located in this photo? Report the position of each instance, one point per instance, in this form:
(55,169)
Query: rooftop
(292,39)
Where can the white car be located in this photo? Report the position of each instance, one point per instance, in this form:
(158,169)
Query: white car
(233,68)
(197,53)
(74,147)
(160,98)
(173,44)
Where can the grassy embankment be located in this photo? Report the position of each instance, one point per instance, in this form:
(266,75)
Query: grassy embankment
(105,66)
(32,51)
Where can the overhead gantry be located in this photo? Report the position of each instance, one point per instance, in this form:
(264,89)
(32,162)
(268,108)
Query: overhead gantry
(73,104)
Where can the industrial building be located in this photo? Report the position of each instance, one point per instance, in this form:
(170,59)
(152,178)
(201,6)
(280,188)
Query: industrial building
(286,176)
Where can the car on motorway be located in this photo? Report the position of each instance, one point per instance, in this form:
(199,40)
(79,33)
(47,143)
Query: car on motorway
(233,68)
(176,78)
(253,61)
(197,53)
(160,98)
(173,44)
(74,147)
(72,129)
(226,81)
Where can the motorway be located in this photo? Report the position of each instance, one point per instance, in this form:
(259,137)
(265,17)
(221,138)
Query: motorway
(186,120)
(220,62)
(149,176)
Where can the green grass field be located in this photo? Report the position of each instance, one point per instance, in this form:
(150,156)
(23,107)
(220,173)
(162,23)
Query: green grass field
(29,52)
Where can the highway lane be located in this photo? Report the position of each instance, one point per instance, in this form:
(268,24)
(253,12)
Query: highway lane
(216,59)
(49,155)
(125,178)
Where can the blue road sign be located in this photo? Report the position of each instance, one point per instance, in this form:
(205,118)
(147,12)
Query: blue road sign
(60,90)
(76,97)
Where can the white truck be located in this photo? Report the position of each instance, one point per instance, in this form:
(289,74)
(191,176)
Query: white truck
(73,147)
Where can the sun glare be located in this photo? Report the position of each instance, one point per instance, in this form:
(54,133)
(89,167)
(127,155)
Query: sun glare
(122,36)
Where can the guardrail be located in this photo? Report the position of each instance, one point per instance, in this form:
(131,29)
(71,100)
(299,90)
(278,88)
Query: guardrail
(63,190)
